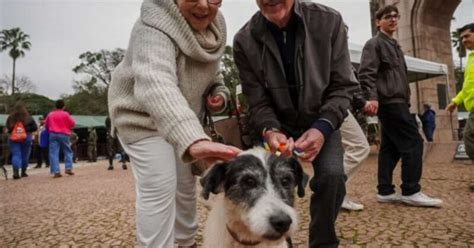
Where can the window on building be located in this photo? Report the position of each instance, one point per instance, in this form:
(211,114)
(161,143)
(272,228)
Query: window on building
(442,101)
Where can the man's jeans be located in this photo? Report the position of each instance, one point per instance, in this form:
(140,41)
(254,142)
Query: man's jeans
(57,141)
(400,140)
(20,153)
(329,188)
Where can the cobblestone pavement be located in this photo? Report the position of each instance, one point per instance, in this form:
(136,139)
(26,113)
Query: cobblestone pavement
(95,208)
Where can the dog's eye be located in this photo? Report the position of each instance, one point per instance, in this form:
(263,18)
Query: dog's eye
(286,182)
(249,182)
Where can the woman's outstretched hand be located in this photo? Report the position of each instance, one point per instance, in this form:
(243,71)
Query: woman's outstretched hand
(211,152)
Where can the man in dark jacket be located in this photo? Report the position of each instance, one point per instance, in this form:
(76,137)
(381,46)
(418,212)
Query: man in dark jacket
(295,72)
(383,76)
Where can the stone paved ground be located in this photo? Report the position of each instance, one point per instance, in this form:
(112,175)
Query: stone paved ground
(96,208)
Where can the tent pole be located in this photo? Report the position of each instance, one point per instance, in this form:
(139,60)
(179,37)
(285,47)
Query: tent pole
(448,100)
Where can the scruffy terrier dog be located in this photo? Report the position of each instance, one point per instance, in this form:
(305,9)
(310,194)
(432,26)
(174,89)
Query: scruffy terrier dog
(256,205)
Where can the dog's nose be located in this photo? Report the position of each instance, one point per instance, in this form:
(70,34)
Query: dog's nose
(281,222)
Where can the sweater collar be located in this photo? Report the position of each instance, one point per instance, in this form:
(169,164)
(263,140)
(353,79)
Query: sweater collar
(165,16)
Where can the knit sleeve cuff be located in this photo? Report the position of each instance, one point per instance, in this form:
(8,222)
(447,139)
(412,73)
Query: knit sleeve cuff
(185,134)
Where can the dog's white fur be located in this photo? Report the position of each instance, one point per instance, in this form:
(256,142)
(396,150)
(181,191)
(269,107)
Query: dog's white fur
(248,224)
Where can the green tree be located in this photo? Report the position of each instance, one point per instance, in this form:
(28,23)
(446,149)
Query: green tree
(90,93)
(89,98)
(229,70)
(17,43)
(22,84)
(35,104)
(99,65)
(457,44)
(231,76)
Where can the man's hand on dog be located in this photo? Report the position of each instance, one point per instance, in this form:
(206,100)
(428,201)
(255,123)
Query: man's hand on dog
(277,140)
(311,143)
(211,152)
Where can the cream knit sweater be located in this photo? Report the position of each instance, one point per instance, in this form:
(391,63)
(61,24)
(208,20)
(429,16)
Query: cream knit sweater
(156,90)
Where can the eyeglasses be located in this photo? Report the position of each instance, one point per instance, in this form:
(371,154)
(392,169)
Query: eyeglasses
(390,17)
(213,2)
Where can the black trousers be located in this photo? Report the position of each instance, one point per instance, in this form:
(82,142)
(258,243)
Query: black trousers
(113,147)
(328,187)
(42,156)
(400,140)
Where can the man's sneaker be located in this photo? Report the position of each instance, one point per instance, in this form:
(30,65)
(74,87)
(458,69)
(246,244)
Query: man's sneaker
(392,198)
(111,167)
(351,206)
(421,200)
(69,172)
(57,175)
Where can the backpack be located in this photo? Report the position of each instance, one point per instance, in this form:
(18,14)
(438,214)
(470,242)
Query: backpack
(18,133)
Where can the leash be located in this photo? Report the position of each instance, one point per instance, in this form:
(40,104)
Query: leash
(297,152)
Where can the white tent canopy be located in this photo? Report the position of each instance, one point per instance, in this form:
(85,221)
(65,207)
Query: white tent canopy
(418,69)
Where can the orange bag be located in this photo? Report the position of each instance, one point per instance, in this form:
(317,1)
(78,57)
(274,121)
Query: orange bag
(19,132)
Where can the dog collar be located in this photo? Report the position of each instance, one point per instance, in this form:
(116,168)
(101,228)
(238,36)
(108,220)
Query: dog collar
(241,241)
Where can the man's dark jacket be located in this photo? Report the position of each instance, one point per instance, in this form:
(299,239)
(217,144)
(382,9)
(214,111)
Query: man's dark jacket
(383,71)
(322,70)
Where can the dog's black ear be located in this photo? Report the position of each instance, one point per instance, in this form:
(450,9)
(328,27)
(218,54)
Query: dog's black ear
(300,177)
(212,180)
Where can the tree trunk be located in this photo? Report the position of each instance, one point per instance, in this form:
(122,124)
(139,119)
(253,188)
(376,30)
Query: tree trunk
(374,6)
(13,77)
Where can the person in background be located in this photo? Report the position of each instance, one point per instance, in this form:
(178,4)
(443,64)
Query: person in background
(114,147)
(43,152)
(354,142)
(154,100)
(73,138)
(4,146)
(383,77)
(466,95)
(59,124)
(356,147)
(92,145)
(428,122)
(20,149)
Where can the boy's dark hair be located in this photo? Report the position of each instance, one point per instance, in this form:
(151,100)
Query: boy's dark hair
(59,104)
(469,26)
(385,10)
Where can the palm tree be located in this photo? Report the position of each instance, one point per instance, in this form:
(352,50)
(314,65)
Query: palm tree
(17,42)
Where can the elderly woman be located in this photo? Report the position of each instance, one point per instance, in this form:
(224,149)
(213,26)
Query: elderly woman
(154,100)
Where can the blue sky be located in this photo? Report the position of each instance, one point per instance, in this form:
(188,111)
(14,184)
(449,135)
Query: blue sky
(60,30)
